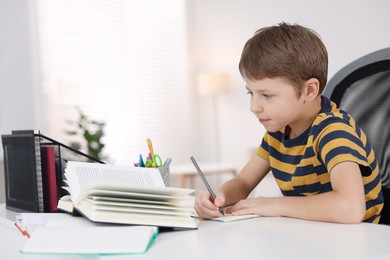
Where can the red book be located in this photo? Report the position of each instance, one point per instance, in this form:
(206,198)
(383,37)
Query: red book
(49,178)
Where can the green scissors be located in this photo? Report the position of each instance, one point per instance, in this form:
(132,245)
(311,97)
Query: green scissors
(155,162)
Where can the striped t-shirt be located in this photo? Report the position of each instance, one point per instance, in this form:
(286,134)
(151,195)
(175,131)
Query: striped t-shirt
(301,165)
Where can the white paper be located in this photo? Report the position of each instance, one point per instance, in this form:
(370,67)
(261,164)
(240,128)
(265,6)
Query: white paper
(90,240)
(231,218)
(31,221)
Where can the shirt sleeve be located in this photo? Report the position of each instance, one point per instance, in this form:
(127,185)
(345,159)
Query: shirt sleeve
(263,150)
(339,142)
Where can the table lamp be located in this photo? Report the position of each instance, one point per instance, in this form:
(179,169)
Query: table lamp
(212,85)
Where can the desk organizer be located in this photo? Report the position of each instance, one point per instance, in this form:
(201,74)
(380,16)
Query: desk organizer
(164,171)
(34,165)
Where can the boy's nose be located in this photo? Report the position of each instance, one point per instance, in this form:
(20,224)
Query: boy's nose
(256,107)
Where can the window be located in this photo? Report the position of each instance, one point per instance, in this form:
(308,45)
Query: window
(122,62)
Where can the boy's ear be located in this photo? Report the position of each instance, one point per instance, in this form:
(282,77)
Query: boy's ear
(311,89)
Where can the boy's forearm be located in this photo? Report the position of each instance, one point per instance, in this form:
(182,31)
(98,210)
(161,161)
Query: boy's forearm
(234,190)
(344,204)
(329,207)
(249,177)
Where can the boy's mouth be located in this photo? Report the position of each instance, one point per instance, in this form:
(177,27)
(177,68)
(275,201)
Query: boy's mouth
(263,121)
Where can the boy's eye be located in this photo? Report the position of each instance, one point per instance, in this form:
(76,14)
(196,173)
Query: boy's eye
(249,92)
(267,96)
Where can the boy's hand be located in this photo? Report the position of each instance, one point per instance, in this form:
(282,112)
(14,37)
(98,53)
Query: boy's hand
(264,206)
(204,206)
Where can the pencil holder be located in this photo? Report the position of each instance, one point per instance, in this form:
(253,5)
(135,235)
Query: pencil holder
(164,171)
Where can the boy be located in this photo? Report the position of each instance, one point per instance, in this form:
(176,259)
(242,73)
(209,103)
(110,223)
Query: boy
(321,160)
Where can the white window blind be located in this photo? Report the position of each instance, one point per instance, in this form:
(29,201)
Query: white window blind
(122,62)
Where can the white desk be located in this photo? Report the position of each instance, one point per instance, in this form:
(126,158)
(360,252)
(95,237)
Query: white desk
(188,173)
(261,238)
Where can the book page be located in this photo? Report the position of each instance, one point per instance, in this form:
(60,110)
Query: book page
(137,218)
(139,188)
(80,174)
(130,195)
(138,210)
(137,204)
(65,204)
(180,201)
(129,190)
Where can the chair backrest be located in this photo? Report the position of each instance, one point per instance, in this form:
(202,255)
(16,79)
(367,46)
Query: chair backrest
(362,88)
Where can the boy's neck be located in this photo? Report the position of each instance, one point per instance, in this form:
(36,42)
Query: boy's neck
(314,108)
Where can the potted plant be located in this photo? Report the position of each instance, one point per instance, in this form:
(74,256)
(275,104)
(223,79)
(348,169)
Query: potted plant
(92,132)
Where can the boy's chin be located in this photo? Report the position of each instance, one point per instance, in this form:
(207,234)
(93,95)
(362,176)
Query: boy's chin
(273,129)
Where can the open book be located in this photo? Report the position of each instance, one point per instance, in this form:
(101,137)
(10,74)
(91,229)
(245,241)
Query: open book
(65,234)
(126,195)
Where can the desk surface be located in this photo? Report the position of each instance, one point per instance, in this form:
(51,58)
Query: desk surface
(261,238)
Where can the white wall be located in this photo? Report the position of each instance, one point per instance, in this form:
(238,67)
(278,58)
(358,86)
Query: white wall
(19,102)
(349,29)
(218,31)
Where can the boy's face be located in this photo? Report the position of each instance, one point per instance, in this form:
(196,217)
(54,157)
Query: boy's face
(275,103)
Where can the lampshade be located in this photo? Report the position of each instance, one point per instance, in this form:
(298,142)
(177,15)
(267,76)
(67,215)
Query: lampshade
(212,83)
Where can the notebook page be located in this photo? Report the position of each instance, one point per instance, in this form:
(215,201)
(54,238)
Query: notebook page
(231,218)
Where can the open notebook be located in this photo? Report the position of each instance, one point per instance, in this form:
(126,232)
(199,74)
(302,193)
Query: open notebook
(227,217)
(231,218)
(67,234)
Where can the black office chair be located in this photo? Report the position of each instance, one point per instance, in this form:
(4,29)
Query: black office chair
(362,88)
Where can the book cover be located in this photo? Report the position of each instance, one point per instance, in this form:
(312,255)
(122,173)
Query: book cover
(49,178)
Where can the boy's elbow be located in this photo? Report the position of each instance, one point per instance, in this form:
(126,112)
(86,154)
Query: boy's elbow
(354,214)
(356,218)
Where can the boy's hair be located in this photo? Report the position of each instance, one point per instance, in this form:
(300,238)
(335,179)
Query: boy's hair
(293,52)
